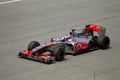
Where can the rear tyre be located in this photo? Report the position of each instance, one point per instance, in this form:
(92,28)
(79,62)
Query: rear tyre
(32,45)
(59,53)
(103,42)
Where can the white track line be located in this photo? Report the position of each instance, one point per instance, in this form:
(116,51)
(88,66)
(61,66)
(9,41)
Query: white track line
(11,1)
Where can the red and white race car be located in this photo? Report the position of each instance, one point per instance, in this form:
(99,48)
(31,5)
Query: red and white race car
(76,42)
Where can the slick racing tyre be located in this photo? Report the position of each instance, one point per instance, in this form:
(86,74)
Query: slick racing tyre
(59,53)
(32,45)
(103,42)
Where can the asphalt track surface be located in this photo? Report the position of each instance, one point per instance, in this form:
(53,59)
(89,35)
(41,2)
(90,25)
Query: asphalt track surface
(27,20)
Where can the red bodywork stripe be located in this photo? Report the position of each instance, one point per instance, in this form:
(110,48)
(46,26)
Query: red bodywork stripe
(45,56)
(26,52)
(82,46)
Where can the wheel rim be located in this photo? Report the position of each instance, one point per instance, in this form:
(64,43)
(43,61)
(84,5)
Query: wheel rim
(61,53)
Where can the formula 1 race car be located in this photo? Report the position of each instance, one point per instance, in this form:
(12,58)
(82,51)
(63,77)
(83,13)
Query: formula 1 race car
(47,53)
(90,38)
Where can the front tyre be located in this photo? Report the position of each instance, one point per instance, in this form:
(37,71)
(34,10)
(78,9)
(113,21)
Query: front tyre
(59,53)
(32,45)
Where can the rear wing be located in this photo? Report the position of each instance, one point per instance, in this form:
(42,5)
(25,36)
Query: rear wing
(101,30)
